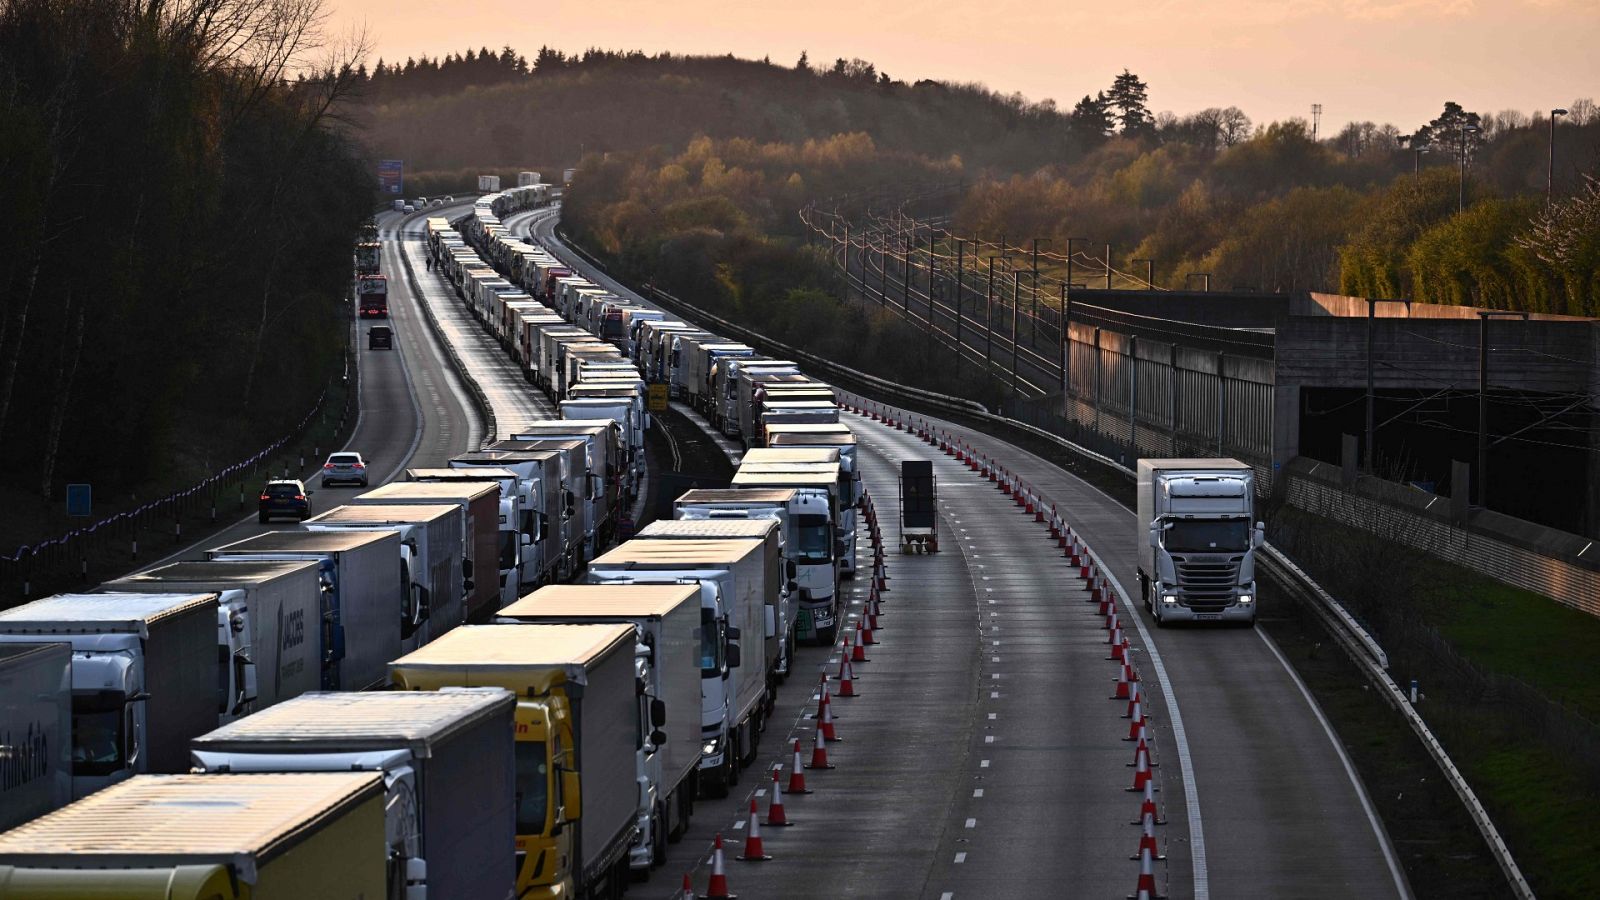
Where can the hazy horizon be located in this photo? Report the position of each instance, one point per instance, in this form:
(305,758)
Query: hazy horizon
(1392,61)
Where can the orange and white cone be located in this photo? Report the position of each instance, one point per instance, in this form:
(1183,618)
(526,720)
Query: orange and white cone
(1141,773)
(1133,699)
(819,752)
(852,640)
(1119,649)
(1122,682)
(797,775)
(718,888)
(753,850)
(776,817)
(1143,746)
(847,676)
(687,893)
(866,627)
(1137,720)
(1146,888)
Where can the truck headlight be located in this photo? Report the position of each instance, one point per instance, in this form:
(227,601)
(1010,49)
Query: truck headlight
(1169,598)
(712,747)
(1246,599)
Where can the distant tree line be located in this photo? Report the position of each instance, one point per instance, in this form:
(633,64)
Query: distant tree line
(180,212)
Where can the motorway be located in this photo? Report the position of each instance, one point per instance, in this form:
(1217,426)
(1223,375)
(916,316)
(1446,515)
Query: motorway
(985,755)
(414,411)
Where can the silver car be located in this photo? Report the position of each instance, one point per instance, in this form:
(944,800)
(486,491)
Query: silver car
(348,467)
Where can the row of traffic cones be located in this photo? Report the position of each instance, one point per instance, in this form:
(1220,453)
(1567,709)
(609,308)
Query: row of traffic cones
(852,651)
(1098,592)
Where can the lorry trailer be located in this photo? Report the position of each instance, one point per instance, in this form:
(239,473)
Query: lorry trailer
(35,730)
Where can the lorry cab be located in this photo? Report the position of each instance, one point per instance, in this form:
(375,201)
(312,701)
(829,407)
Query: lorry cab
(1197,555)
(817,550)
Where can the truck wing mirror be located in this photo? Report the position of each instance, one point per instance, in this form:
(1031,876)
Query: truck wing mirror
(839,548)
(1155,535)
(1258,535)
(658,737)
(733,655)
(790,569)
(248,687)
(734,633)
(658,714)
(466,569)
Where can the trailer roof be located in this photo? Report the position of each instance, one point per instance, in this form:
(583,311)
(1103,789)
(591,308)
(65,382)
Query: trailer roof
(217,572)
(398,491)
(701,529)
(603,600)
(759,455)
(690,552)
(69,612)
(169,820)
(744,478)
(353,720)
(809,428)
(516,646)
(729,495)
(833,439)
(307,541)
(383,513)
(476,473)
(557,426)
(1196,463)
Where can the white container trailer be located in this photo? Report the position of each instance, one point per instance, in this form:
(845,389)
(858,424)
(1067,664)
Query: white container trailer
(360,572)
(818,548)
(432,539)
(491,514)
(669,621)
(730,723)
(144,677)
(266,628)
(780,617)
(36,730)
(447,765)
(488,184)
(543,538)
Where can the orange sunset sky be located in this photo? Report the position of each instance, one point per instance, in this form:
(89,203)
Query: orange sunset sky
(1381,60)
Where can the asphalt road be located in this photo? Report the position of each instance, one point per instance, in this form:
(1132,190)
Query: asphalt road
(413,409)
(985,755)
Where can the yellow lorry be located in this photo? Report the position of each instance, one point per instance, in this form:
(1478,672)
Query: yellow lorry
(207,837)
(577,730)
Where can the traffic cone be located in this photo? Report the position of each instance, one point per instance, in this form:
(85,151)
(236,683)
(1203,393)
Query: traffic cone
(819,752)
(858,652)
(687,893)
(1141,773)
(1110,624)
(1133,699)
(797,775)
(1136,720)
(1142,747)
(718,888)
(1147,842)
(866,638)
(1147,809)
(825,719)
(1122,682)
(1146,888)
(753,851)
(1119,646)
(847,677)
(776,817)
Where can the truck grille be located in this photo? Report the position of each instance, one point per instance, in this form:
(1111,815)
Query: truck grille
(1207,583)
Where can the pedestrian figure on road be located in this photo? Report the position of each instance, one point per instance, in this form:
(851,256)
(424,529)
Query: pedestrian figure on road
(429,261)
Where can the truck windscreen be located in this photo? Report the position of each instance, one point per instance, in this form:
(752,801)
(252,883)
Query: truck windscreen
(533,787)
(97,733)
(710,644)
(1207,536)
(816,541)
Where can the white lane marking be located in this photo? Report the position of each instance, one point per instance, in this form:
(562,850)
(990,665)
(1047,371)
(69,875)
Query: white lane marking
(977,792)
(988,739)
(947,896)
(972,823)
(983,764)
(1349,770)
(994,715)
(961,858)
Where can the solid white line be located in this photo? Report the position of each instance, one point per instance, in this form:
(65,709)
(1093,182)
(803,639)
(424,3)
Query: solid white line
(1349,770)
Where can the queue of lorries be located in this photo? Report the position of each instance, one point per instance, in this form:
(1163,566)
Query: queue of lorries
(399,698)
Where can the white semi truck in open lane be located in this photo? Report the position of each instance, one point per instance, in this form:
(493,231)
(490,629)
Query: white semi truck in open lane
(1197,546)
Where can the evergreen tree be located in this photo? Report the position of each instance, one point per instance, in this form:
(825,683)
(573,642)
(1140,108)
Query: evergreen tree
(804,63)
(1090,119)
(1128,96)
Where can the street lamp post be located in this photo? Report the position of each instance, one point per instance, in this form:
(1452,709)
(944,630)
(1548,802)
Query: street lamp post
(1550,175)
(1416,167)
(1461,200)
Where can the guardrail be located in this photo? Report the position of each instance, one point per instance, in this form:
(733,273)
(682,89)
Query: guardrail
(1357,642)
(59,559)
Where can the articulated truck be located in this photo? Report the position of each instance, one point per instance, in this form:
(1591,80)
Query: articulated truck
(576,735)
(144,677)
(668,661)
(268,642)
(447,766)
(1197,546)
(820,546)
(35,730)
(208,837)
(490,541)
(362,592)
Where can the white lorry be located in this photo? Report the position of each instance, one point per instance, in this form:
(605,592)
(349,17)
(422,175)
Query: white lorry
(488,499)
(821,547)
(1197,544)
(842,439)
(672,644)
(730,718)
(36,730)
(433,571)
(360,575)
(267,615)
(144,677)
(544,537)
(447,766)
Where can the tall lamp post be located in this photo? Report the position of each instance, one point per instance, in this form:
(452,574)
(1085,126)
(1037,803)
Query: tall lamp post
(1461,201)
(1416,166)
(1550,174)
